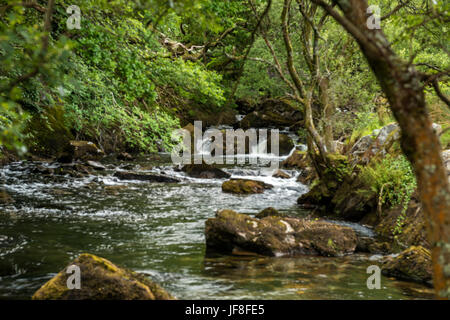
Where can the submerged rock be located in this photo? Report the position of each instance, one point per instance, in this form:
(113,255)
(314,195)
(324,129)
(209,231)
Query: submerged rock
(204,171)
(101,280)
(413,264)
(151,177)
(277,236)
(244,186)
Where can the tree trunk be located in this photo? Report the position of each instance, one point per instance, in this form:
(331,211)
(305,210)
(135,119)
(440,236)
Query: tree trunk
(327,117)
(401,84)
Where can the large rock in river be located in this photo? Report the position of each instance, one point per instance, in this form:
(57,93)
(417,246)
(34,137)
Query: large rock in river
(100,279)
(150,177)
(204,171)
(244,186)
(413,264)
(230,231)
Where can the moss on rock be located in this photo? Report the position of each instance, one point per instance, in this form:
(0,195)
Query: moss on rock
(276,236)
(101,280)
(204,171)
(243,186)
(412,264)
(269,212)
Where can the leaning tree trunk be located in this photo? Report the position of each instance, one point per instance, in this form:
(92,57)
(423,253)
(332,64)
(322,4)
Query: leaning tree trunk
(401,84)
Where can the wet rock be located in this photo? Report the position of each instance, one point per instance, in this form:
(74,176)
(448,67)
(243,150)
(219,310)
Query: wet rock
(258,119)
(96,165)
(285,144)
(75,170)
(306,176)
(150,177)
(372,245)
(244,106)
(277,236)
(125,156)
(80,150)
(413,264)
(272,113)
(298,160)
(42,170)
(244,186)
(5,198)
(101,280)
(269,212)
(204,171)
(281,174)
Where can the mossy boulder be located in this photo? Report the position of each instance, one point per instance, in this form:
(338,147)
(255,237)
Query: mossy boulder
(149,177)
(205,171)
(352,200)
(101,280)
(297,160)
(269,212)
(244,186)
(230,231)
(81,150)
(412,264)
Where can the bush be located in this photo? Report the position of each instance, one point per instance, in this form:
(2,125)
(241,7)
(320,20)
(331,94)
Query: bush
(392,178)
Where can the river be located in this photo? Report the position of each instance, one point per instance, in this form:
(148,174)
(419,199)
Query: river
(158,229)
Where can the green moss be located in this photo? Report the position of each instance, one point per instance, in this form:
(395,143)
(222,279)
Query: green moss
(101,280)
(47,133)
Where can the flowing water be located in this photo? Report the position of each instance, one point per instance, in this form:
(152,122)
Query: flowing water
(158,229)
